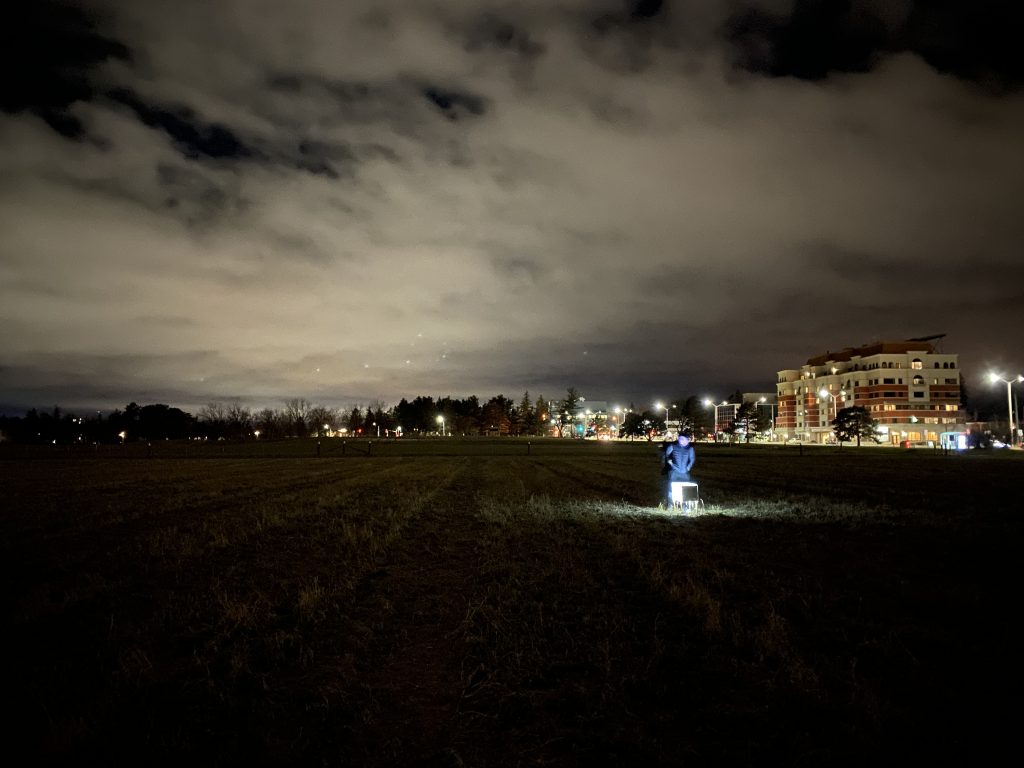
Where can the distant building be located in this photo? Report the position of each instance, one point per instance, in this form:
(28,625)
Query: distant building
(590,418)
(911,390)
(727,413)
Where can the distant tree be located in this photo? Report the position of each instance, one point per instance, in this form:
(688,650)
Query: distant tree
(212,412)
(640,424)
(213,420)
(418,416)
(239,421)
(270,424)
(542,415)
(132,411)
(497,415)
(571,401)
(633,425)
(401,414)
(296,412)
(462,416)
(691,413)
(855,423)
(567,410)
(321,420)
(526,417)
(355,421)
(380,416)
(160,422)
(743,424)
(763,421)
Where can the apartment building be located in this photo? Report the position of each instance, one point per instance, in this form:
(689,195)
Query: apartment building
(909,387)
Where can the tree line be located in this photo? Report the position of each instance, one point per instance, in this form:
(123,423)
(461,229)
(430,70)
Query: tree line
(297,417)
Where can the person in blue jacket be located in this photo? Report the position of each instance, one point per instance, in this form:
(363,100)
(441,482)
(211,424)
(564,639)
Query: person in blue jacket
(679,459)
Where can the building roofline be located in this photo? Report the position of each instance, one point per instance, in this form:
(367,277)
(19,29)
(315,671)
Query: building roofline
(875,348)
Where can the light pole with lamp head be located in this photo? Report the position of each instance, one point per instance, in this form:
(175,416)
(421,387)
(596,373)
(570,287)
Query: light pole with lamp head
(440,420)
(771,421)
(621,414)
(659,406)
(709,403)
(825,394)
(993,378)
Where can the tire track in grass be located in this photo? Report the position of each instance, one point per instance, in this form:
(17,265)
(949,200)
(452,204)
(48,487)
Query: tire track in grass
(532,630)
(559,639)
(407,708)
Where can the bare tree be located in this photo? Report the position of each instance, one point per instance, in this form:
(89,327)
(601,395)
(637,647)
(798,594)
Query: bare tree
(321,420)
(239,420)
(296,414)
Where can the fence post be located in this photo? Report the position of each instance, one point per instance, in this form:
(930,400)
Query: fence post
(318,449)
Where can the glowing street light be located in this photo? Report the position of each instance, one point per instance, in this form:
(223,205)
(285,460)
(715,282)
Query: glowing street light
(257,434)
(709,403)
(993,378)
(659,406)
(122,434)
(621,413)
(825,395)
(440,420)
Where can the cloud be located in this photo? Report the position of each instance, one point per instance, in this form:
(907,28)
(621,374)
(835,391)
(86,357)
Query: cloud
(440,198)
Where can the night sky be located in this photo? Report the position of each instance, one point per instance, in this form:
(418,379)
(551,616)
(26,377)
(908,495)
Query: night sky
(357,201)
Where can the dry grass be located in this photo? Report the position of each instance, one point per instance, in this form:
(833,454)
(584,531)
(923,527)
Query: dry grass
(499,607)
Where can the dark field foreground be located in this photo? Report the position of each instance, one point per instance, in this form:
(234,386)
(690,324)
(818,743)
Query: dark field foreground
(448,603)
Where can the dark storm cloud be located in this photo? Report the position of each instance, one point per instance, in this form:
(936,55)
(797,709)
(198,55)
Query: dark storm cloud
(454,104)
(975,40)
(191,135)
(380,199)
(49,49)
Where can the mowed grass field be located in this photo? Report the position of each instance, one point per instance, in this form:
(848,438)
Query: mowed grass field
(504,603)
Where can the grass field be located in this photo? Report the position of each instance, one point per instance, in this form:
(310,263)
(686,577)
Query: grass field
(499,603)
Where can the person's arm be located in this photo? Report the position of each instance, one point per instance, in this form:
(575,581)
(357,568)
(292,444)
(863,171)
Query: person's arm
(671,459)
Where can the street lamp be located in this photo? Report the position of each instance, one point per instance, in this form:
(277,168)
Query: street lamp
(440,420)
(659,406)
(709,403)
(993,378)
(621,414)
(762,401)
(825,394)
